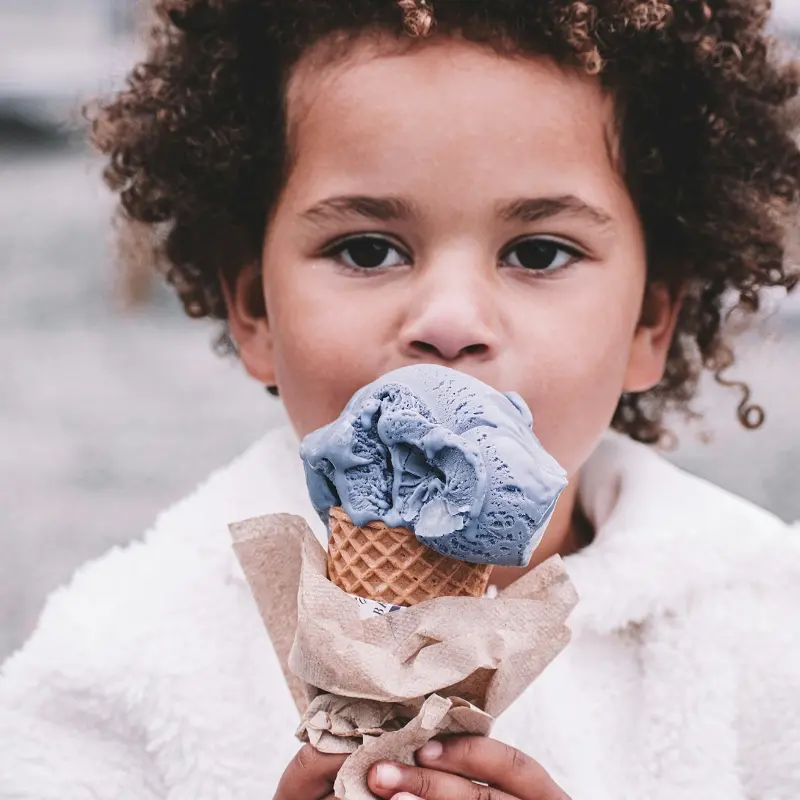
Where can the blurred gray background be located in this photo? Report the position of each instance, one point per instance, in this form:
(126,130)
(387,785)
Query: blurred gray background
(112,404)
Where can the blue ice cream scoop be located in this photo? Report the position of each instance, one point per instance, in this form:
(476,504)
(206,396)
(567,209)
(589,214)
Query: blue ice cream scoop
(444,455)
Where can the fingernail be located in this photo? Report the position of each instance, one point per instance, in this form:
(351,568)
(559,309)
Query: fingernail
(431,750)
(405,796)
(388,776)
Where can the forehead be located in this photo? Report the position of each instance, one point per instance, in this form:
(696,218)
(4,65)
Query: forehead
(388,113)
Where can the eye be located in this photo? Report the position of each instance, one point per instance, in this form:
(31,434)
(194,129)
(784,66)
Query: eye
(367,252)
(539,254)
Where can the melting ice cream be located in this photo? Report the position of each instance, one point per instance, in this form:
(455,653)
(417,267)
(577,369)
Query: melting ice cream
(444,455)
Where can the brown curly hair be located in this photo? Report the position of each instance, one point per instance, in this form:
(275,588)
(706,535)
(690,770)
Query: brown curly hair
(197,143)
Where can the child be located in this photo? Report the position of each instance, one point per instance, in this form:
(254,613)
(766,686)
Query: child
(557,197)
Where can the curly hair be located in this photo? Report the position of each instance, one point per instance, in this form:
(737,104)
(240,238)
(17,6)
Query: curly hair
(197,144)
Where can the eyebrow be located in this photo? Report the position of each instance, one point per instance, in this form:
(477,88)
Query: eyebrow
(382,209)
(539,208)
(389,209)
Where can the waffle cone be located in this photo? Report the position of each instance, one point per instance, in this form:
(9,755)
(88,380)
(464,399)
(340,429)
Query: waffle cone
(389,564)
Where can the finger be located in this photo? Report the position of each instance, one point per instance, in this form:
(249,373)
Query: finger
(489,761)
(392,781)
(310,774)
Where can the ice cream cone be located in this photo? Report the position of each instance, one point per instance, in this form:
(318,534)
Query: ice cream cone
(391,565)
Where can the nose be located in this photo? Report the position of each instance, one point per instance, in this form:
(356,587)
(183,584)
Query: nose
(452,317)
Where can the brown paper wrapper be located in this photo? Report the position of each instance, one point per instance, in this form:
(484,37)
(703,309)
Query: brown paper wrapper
(380,688)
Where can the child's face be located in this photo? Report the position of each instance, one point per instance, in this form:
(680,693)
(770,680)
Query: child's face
(455,206)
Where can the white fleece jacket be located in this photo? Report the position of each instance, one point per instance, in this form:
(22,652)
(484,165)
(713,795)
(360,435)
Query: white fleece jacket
(151,675)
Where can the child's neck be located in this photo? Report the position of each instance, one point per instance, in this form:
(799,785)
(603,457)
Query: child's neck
(569,531)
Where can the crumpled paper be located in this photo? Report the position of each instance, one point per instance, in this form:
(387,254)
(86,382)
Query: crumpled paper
(380,688)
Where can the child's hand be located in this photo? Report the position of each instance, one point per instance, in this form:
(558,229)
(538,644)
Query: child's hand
(309,776)
(449,767)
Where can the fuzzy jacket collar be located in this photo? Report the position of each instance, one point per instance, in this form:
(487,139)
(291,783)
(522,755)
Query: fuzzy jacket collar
(662,535)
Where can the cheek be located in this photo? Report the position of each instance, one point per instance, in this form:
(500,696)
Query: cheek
(584,392)
(576,374)
(317,365)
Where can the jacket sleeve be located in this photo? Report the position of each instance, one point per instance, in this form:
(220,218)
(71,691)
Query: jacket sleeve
(769,698)
(70,759)
(149,676)
(65,730)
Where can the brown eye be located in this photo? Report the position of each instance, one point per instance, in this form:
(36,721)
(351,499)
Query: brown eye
(368,252)
(539,254)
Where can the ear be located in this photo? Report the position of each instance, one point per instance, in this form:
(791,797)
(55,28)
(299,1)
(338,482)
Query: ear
(653,337)
(249,324)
